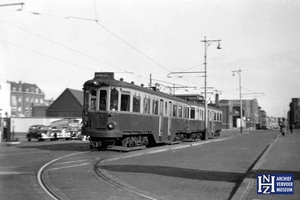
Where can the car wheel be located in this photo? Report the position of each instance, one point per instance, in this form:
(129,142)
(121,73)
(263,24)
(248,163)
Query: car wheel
(29,139)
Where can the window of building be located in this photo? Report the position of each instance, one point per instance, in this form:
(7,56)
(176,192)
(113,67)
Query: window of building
(19,109)
(13,100)
(41,101)
(125,102)
(36,100)
(20,99)
(37,90)
(27,99)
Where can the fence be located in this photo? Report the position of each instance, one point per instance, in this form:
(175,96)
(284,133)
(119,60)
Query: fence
(17,127)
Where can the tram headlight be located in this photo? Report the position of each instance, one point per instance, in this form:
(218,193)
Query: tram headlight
(111,125)
(96,82)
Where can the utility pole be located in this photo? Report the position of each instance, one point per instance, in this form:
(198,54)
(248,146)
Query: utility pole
(207,43)
(241,102)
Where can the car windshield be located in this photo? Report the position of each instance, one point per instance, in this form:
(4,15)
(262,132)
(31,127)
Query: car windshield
(41,128)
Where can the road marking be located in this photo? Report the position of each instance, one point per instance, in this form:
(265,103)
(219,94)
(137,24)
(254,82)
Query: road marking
(61,163)
(39,175)
(15,173)
(68,166)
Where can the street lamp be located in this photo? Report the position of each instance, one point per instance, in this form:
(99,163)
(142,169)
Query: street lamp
(207,43)
(241,103)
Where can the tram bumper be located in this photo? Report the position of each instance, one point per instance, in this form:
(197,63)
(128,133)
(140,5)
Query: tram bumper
(101,134)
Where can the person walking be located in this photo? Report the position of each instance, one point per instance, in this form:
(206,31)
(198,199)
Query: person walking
(282,126)
(291,127)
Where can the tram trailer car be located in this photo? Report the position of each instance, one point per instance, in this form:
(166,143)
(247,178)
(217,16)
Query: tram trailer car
(117,113)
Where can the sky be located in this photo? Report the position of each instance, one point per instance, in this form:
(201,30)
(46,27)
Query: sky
(61,44)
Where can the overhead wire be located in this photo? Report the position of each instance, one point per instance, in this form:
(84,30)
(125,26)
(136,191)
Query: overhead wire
(108,30)
(58,59)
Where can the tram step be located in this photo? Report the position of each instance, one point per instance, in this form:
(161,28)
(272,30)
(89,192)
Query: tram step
(174,142)
(125,149)
(190,140)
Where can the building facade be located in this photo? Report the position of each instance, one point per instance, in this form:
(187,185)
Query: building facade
(294,112)
(233,118)
(23,97)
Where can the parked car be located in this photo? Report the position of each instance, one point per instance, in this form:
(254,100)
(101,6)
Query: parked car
(40,132)
(60,133)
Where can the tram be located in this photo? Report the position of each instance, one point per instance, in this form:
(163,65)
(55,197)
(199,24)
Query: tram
(118,113)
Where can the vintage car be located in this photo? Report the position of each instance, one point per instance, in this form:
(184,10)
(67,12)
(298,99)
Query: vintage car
(40,132)
(60,133)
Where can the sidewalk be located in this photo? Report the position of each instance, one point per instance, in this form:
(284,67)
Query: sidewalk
(282,157)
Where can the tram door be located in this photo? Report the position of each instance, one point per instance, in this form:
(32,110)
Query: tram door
(170,120)
(161,118)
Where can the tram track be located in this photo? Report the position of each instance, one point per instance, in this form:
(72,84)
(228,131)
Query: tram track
(55,193)
(44,186)
(117,183)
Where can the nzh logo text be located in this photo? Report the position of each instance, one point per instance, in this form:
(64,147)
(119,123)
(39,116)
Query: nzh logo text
(275,184)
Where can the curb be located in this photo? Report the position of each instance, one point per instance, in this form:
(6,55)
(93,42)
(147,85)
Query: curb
(176,147)
(247,183)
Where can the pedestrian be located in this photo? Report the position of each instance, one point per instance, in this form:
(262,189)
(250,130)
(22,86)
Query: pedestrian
(282,126)
(291,127)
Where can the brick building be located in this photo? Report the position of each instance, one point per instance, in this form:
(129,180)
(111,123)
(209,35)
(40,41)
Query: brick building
(294,112)
(232,117)
(23,97)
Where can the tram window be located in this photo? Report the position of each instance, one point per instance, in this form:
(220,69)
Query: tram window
(146,105)
(125,102)
(103,96)
(179,111)
(166,108)
(192,113)
(114,97)
(136,103)
(220,117)
(174,110)
(86,99)
(215,116)
(93,103)
(155,107)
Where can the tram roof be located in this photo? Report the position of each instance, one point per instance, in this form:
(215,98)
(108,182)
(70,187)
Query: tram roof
(110,81)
